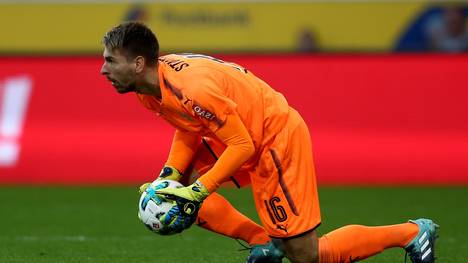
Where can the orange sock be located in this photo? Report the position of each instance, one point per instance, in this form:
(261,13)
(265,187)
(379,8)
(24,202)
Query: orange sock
(218,215)
(355,242)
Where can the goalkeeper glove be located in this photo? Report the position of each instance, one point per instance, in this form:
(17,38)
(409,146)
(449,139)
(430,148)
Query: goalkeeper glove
(195,192)
(167,172)
(176,222)
(173,221)
(188,198)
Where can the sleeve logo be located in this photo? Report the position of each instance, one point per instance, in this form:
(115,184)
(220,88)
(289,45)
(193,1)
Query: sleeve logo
(203,113)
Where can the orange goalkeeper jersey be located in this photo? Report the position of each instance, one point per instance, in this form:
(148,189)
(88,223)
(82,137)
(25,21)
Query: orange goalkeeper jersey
(199,92)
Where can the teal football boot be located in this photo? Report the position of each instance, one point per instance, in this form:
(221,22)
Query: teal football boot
(421,248)
(267,253)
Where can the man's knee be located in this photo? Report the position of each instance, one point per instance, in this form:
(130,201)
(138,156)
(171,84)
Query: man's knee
(300,249)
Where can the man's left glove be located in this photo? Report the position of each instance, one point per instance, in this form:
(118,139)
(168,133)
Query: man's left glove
(188,198)
(172,221)
(175,222)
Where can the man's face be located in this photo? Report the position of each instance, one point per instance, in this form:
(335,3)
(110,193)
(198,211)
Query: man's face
(119,71)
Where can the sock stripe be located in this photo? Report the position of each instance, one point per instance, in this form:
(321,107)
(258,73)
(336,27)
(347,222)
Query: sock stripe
(421,239)
(426,254)
(425,245)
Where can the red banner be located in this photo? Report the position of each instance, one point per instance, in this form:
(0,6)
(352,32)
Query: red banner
(383,119)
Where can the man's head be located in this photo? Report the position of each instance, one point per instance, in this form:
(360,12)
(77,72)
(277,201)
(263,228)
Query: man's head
(129,49)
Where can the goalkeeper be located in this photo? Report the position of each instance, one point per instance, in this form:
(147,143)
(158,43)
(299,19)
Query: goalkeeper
(257,137)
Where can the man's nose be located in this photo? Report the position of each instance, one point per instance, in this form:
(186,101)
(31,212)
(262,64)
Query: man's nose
(104,70)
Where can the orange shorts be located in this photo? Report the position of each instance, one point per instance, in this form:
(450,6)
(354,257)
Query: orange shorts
(283,182)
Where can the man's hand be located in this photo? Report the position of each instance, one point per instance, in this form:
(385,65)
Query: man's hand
(143,187)
(195,192)
(167,172)
(188,198)
(175,222)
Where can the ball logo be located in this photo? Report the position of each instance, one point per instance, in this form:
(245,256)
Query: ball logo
(189,208)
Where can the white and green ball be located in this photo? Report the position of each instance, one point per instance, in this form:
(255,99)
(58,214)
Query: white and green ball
(151,209)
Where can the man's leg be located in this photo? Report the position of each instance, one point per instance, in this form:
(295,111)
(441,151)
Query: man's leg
(302,248)
(347,244)
(286,198)
(219,216)
(285,192)
(355,242)
(216,213)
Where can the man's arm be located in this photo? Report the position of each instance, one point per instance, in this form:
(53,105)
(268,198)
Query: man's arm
(183,148)
(184,145)
(239,149)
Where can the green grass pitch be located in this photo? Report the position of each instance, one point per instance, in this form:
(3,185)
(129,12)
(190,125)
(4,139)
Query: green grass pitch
(93,224)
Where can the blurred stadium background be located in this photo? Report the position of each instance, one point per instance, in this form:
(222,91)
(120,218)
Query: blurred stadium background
(381,84)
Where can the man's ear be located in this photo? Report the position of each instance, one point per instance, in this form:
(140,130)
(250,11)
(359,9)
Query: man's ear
(139,64)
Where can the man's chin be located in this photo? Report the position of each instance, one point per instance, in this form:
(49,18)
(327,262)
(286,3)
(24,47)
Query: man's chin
(123,90)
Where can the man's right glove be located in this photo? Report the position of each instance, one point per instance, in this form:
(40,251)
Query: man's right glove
(167,172)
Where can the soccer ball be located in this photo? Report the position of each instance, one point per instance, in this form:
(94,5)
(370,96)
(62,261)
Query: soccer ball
(152,207)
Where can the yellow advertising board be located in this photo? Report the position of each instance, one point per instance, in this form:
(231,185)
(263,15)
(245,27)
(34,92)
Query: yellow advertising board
(208,26)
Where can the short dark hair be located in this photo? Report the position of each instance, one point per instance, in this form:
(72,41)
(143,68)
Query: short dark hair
(133,39)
